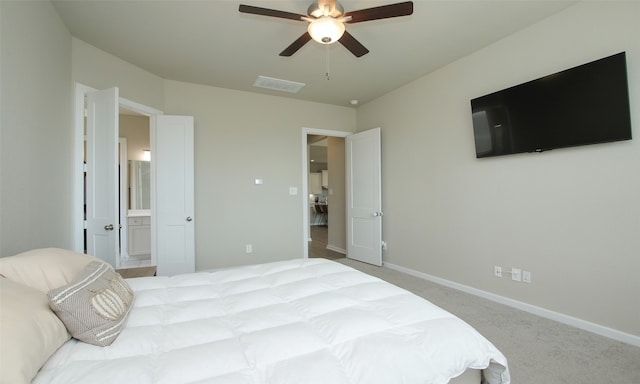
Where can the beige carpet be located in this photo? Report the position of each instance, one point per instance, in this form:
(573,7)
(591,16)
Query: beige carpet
(540,351)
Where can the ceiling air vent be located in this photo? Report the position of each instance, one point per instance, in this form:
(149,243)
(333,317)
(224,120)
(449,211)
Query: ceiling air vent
(278,84)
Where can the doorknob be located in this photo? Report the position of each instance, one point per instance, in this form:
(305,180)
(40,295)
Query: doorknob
(376,214)
(189,218)
(108,227)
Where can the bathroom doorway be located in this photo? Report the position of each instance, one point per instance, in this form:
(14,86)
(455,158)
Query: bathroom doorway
(135,189)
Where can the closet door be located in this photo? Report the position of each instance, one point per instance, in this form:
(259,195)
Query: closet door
(172,221)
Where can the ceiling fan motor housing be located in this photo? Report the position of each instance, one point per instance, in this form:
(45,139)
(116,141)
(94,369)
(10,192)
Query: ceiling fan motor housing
(316,11)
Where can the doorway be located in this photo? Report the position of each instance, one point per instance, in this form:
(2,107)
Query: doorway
(324,189)
(135,189)
(80,221)
(322,151)
(362,208)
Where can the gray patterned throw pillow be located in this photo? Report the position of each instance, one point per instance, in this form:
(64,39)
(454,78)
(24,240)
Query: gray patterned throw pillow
(94,308)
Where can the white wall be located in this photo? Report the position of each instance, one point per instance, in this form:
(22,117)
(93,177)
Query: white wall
(36,144)
(570,216)
(100,70)
(239,137)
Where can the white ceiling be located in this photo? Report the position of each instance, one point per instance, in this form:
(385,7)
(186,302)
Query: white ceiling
(209,42)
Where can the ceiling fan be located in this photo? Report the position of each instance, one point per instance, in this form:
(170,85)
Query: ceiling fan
(326,20)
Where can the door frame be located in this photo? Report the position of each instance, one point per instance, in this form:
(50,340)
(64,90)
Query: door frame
(122,191)
(305,180)
(78,155)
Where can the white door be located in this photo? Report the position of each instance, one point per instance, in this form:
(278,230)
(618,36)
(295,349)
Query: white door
(364,202)
(172,198)
(101,199)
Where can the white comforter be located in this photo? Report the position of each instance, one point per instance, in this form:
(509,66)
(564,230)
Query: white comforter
(299,322)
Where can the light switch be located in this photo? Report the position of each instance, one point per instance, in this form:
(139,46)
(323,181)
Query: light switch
(293,191)
(259,181)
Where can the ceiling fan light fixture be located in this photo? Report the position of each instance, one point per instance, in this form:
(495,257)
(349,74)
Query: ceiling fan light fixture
(326,30)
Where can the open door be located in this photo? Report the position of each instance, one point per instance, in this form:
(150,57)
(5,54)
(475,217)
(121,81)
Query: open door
(172,194)
(101,193)
(364,192)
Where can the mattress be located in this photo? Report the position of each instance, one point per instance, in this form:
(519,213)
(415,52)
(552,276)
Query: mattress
(299,321)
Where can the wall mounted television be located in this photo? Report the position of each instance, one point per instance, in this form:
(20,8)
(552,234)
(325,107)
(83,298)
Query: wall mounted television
(587,104)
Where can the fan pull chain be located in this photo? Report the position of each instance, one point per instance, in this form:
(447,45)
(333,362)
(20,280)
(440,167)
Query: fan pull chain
(326,74)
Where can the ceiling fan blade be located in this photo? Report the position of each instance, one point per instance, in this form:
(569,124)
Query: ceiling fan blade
(270,12)
(353,45)
(296,45)
(382,12)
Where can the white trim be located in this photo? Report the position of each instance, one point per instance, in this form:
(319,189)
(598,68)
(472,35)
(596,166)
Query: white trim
(559,317)
(306,237)
(124,225)
(139,108)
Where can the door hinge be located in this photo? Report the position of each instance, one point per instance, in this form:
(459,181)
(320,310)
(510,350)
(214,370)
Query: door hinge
(84,224)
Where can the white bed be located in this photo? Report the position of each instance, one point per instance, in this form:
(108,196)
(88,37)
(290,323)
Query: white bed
(299,321)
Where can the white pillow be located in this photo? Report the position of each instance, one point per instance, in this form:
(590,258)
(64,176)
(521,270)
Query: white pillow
(29,330)
(45,269)
(94,308)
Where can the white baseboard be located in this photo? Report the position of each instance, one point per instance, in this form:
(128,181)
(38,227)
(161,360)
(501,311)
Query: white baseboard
(559,317)
(336,249)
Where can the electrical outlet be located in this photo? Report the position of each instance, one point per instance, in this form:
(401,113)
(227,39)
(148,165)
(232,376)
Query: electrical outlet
(497,271)
(248,248)
(526,276)
(516,274)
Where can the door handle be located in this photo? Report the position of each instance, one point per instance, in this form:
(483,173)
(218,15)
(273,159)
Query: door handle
(377,214)
(108,227)
(189,218)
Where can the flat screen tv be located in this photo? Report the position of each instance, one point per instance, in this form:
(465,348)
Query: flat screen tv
(587,104)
